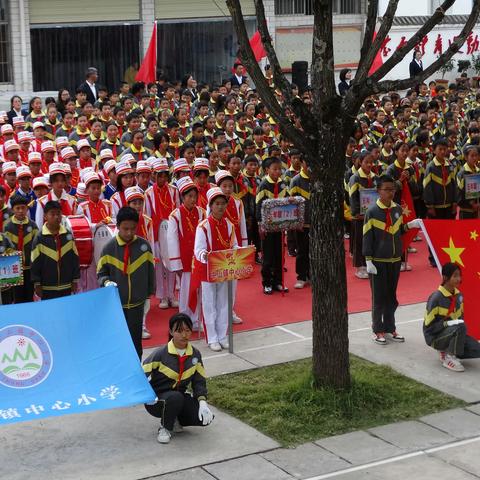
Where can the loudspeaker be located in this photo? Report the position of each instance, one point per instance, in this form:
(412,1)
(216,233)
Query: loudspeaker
(300,75)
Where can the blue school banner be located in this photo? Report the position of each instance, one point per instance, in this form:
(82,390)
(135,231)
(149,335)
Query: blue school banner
(69,355)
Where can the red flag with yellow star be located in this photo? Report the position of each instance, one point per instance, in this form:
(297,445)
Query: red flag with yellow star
(408,213)
(458,241)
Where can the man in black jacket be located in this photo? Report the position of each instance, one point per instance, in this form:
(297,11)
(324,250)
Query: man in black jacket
(89,86)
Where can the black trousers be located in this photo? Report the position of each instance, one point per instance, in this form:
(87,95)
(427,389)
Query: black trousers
(384,296)
(455,341)
(7,296)
(24,293)
(357,233)
(302,261)
(50,294)
(420,208)
(174,404)
(134,318)
(253,235)
(292,245)
(272,259)
(440,214)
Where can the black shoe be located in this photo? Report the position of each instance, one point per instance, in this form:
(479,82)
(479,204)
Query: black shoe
(267,290)
(292,253)
(279,288)
(258,260)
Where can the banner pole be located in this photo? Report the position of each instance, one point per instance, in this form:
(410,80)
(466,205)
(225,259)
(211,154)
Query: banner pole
(230,316)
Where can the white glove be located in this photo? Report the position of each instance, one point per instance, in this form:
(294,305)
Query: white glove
(371,268)
(414,224)
(205,415)
(109,283)
(451,323)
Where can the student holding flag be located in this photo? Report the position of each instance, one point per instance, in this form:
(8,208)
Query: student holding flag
(383,228)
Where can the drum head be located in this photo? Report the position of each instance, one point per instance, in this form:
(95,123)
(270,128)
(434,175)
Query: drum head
(163,243)
(103,234)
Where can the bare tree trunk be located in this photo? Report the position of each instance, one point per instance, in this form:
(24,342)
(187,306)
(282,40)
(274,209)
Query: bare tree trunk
(327,260)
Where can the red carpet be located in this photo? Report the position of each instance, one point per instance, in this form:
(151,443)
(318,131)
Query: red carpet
(258,310)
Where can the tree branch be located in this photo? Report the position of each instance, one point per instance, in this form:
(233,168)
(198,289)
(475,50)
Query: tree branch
(400,54)
(387,20)
(369,32)
(266,94)
(388,85)
(278,77)
(322,68)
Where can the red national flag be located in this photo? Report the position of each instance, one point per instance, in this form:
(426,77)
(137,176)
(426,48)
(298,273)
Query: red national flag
(408,211)
(257,48)
(377,61)
(458,241)
(148,69)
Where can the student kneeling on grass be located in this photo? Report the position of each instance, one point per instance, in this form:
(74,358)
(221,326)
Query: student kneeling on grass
(382,247)
(172,369)
(443,326)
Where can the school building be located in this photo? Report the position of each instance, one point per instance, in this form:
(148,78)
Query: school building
(46,45)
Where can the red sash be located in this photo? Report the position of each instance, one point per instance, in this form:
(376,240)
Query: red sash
(232,214)
(202,196)
(98,211)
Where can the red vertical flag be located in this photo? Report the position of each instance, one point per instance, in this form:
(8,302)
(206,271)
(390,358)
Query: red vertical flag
(377,61)
(408,213)
(148,69)
(257,48)
(458,241)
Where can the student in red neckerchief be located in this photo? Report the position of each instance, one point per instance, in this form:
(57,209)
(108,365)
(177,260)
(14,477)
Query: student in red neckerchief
(160,201)
(58,182)
(125,179)
(213,234)
(182,226)
(136,200)
(201,172)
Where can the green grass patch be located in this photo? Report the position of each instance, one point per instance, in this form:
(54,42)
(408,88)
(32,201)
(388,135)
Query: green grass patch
(281,402)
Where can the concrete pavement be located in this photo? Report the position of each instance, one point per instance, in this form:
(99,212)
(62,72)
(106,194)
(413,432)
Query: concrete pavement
(121,443)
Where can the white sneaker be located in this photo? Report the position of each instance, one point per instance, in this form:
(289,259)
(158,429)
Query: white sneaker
(299,284)
(224,344)
(173,303)
(236,319)
(164,436)
(412,250)
(215,346)
(177,428)
(163,304)
(405,267)
(453,363)
(146,334)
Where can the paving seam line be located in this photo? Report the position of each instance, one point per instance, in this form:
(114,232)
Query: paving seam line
(396,458)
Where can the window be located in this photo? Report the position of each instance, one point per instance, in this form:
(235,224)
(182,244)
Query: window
(206,49)
(4,43)
(304,7)
(67,51)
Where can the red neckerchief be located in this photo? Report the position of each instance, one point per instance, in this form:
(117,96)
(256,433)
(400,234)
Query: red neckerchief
(453,302)
(239,182)
(58,243)
(181,368)
(388,219)
(126,258)
(20,238)
(444,174)
(164,206)
(275,190)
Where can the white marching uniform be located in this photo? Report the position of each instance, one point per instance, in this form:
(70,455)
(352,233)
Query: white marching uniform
(214,295)
(165,279)
(174,236)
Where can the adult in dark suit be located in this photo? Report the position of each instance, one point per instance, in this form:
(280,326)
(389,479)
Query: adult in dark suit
(238,78)
(416,65)
(89,86)
(15,109)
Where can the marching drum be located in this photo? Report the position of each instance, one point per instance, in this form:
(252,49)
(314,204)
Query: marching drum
(163,243)
(102,235)
(81,230)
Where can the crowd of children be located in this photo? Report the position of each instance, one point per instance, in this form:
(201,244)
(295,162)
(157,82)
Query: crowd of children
(195,166)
